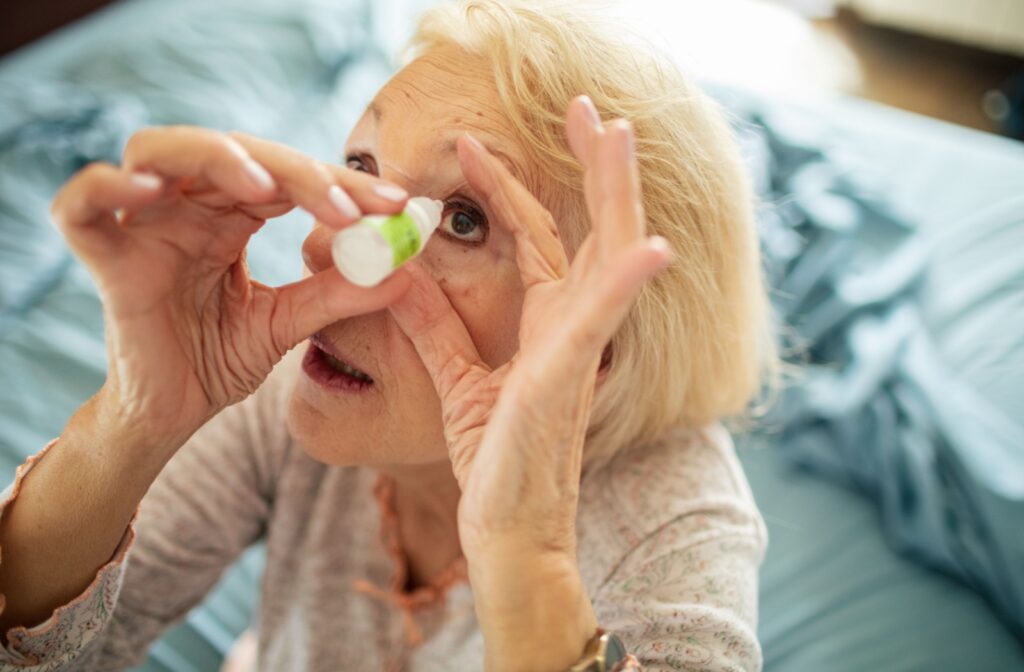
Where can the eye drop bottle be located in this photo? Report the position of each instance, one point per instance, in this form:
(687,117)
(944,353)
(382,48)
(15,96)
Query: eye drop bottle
(372,248)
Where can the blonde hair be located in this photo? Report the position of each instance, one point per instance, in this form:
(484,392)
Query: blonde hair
(697,345)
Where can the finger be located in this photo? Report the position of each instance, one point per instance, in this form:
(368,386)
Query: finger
(335,195)
(200,157)
(84,208)
(437,332)
(308,305)
(265,211)
(606,303)
(540,254)
(584,128)
(619,217)
(583,262)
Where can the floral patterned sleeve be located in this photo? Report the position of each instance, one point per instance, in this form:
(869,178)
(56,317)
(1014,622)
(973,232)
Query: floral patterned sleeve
(56,642)
(210,502)
(686,597)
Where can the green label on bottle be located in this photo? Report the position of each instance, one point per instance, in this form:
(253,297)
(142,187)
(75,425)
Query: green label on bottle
(402,235)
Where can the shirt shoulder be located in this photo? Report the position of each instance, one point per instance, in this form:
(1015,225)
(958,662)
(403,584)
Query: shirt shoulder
(687,477)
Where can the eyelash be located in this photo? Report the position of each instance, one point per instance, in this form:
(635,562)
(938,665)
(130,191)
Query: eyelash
(452,206)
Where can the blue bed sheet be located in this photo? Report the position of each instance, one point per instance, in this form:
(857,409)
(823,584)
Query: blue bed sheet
(834,595)
(907,328)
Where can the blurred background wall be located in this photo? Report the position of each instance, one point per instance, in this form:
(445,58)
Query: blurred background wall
(957,60)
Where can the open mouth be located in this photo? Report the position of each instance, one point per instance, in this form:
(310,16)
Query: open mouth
(323,364)
(341,366)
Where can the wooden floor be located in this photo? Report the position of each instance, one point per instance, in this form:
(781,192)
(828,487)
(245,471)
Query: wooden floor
(928,76)
(767,45)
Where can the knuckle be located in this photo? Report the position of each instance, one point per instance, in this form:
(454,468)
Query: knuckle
(450,371)
(548,222)
(76,191)
(61,212)
(319,172)
(138,141)
(239,144)
(224,146)
(93,173)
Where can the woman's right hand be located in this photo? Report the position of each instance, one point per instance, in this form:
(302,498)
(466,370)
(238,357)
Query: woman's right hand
(188,331)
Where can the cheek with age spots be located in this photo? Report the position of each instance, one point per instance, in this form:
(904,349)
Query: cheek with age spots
(486,297)
(462,292)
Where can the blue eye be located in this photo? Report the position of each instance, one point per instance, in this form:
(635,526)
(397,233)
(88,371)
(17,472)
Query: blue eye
(464,223)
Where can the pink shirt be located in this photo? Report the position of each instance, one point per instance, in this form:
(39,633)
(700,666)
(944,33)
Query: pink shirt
(669,543)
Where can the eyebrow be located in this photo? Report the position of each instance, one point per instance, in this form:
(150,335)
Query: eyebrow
(449,147)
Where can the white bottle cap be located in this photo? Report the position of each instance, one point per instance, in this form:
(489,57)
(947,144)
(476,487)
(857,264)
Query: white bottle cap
(426,212)
(365,257)
(362,255)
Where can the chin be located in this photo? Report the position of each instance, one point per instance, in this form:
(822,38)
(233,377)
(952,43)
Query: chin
(348,439)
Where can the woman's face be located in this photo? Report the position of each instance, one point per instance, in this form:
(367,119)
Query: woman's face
(407,136)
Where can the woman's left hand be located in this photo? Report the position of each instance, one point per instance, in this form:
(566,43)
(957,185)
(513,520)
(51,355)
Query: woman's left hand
(515,434)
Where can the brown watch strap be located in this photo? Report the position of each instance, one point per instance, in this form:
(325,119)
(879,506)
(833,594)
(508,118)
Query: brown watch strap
(595,656)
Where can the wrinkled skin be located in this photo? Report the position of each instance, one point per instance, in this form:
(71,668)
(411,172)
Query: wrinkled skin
(484,351)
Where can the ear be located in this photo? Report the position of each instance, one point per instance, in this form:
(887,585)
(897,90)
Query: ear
(605,366)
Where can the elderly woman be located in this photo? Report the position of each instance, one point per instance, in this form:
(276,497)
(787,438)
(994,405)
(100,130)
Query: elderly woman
(507,456)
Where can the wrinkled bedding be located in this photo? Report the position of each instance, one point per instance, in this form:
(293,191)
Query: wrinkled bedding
(908,331)
(893,244)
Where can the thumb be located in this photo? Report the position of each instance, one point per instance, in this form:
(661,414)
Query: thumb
(437,332)
(308,305)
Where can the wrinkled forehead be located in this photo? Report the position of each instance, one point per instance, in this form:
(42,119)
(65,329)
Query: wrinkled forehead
(418,115)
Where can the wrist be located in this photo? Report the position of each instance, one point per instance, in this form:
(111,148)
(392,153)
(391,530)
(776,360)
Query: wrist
(552,638)
(536,617)
(105,427)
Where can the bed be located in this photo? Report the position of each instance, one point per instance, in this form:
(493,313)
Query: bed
(894,244)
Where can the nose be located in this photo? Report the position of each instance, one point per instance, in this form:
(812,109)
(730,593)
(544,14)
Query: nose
(316,248)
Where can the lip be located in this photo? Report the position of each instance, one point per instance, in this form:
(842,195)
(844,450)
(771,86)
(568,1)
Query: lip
(315,366)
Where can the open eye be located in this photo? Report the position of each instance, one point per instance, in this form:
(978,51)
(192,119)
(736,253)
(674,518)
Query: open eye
(353,162)
(463,222)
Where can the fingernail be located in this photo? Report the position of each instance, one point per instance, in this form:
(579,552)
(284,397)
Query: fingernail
(147,181)
(476,144)
(660,244)
(259,175)
(343,203)
(625,129)
(592,114)
(392,192)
